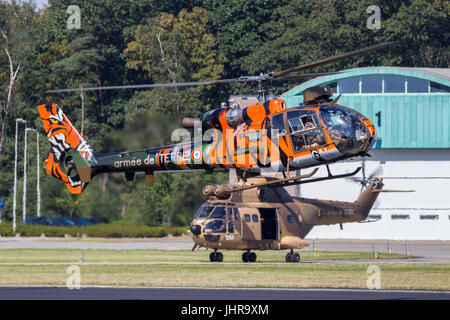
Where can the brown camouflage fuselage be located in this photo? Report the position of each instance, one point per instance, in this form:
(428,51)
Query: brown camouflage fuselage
(271,219)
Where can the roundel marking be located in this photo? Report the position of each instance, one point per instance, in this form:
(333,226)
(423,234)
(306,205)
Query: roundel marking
(197,154)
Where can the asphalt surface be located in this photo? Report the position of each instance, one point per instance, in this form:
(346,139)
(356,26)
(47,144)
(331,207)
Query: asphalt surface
(188,294)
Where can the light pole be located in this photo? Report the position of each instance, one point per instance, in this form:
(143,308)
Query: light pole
(15,174)
(24,195)
(38,168)
(38,189)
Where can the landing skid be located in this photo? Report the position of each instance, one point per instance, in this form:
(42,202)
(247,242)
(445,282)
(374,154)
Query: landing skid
(329,177)
(285,182)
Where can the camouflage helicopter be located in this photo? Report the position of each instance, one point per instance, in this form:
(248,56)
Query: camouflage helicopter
(264,216)
(262,137)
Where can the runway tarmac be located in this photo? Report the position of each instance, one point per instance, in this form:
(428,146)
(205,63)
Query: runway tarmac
(216,293)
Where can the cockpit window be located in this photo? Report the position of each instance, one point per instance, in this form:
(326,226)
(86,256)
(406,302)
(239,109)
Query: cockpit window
(218,213)
(295,125)
(278,125)
(298,141)
(199,211)
(306,131)
(277,121)
(315,138)
(216,226)
(346,129)
(204,211)
(213,212)
(236,214)
(232,213)
(302,120)
(308,122)
(229,214)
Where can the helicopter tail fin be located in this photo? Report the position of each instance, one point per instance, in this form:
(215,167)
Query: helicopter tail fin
(368,197)
(70,157)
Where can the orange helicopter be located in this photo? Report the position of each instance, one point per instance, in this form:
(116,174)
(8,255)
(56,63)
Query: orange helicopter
(264,137)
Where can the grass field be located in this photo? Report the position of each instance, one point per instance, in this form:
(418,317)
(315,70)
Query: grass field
(15,271)
(146,255)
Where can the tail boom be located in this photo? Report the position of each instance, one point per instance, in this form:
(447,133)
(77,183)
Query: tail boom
(68,148)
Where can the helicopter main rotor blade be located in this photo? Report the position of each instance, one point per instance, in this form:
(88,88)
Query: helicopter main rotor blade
(303,75)
(280,75)
(154,85)
(376,172)
(333,59)
(365,180)
(191,84)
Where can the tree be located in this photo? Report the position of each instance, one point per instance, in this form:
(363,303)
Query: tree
(307,31)
(89,56)
(16,23)
(175,49)
(12,79)
(78,67)
(239,26)
(422,29)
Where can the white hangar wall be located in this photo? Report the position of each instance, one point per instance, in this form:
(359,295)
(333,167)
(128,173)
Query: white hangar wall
(420,215)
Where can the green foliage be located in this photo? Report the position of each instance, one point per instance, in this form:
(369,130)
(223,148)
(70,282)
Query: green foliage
(176,49)
(239,28)
(172,200)
(114,230)
(299,32)
(422,29)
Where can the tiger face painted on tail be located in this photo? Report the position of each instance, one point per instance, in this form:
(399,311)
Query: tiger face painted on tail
(64,140)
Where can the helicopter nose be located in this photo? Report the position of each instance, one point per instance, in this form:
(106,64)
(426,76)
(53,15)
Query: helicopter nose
(351,132)
(195,229)
(372,132)
(351,137)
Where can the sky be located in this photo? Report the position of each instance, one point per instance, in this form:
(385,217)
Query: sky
(39,3)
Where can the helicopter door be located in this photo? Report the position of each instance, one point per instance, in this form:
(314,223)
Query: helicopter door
(233,222)
(305,130)
(279,138)
(251,224)
(269,223)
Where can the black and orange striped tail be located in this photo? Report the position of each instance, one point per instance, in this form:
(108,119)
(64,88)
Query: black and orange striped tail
(65,141)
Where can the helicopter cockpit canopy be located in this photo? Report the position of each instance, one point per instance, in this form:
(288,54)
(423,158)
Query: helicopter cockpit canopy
(346,128)
(211,212)
(217,216)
